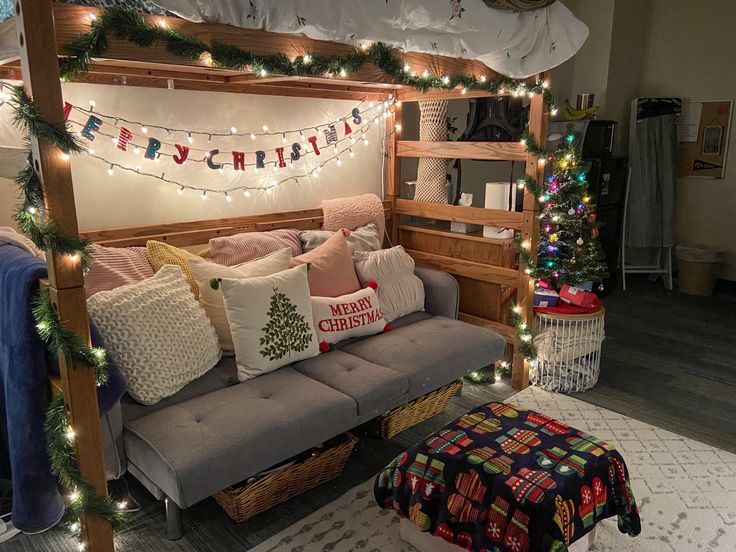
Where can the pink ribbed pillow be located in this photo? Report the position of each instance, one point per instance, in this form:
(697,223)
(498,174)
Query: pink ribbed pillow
(331,271)
(113,267)
(248,246)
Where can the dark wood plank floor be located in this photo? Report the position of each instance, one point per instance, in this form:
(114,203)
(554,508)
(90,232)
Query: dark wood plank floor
(668,360)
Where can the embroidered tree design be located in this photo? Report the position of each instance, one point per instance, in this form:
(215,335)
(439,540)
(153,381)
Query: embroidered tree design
(286,331)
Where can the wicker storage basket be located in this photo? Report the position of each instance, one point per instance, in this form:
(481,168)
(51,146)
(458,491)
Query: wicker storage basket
(568,351)
(242,503)
(417,411)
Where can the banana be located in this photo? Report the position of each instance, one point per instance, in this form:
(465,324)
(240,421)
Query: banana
(572,114)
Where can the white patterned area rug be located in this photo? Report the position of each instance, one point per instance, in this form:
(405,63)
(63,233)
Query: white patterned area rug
(686,492)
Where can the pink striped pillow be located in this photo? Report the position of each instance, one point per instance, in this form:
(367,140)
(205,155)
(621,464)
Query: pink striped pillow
(113,267)
(248,246)
(331,270)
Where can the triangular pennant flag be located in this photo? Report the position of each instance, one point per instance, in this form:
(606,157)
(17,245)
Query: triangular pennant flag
(700,165)
(348,130)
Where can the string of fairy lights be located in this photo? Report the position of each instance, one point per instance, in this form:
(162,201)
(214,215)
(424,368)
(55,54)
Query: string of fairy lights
(334,149)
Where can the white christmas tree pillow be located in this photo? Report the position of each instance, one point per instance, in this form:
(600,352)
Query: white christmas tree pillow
(204,271)
(270,320)
(353,315)
(160,338)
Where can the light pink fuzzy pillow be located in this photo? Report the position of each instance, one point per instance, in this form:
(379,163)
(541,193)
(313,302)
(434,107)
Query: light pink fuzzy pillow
(331,270)
(352,212)
(248,246)
(113,267)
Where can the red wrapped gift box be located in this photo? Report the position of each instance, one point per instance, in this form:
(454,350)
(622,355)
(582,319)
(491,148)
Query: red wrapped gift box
(579,297)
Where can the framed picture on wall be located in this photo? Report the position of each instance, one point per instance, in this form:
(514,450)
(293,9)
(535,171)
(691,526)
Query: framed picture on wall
(712,137)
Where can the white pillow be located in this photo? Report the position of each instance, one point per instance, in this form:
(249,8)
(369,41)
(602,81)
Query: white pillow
(400,291)
(159,336)
(270,320)
(365,238)
(211,299)
(353,315)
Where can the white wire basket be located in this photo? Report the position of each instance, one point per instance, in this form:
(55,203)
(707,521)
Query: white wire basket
(568,351)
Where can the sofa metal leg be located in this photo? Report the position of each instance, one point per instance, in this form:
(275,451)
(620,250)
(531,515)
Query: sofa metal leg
(174,529)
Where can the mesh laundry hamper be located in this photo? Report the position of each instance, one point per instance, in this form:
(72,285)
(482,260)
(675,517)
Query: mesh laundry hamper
(568,351)
(432,173)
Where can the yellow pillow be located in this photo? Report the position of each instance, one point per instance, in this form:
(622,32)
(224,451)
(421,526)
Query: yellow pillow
(160,254)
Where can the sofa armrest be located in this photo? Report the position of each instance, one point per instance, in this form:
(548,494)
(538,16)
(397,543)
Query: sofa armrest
(441,292)
(111,434)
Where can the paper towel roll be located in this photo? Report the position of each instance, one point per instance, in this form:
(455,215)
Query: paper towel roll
(497,197)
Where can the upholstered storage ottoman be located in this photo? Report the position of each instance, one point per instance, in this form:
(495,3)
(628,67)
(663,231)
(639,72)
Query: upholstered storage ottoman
(505,478)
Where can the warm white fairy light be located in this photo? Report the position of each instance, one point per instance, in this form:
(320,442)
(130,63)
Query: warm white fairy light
(338,162)
(526,244)
(162,23)
(283,138)
(307,59)
(263,72)
(228,197)
(42,326)
(32,210)
(111,170)
(246,193)
(351,153)
(265,128)
(343,72)
(144,130)
(81,547)
(69,434)
(483,78)
(553,111)
(189,138)
(542,161)
(445,79)
(269,191)
(92,103)
(406,67)
(520,184)
(397,127)
(252,136)
(64,156)
(464,91)
(74,257)
(545,84)
(204,195)
(233,130)
(73,496)
(92,16)
(180,190)
(425,73)
(137,150)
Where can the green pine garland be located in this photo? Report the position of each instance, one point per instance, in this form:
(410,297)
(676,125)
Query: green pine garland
(130,26)
(61,341)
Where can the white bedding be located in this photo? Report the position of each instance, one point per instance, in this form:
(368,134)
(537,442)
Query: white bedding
(514,44)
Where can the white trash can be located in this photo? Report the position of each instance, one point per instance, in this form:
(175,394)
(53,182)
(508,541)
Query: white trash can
(699,266)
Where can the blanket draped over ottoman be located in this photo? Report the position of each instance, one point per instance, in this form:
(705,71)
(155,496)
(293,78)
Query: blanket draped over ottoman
(503,478)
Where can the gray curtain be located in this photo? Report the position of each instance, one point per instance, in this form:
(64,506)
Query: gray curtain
(653,160)
(518,5)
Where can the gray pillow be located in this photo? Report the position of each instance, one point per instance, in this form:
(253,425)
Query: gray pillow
(364,238)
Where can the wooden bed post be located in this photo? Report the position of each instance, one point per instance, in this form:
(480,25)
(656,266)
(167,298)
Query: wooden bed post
(393,167)
(538,123)
(39,64)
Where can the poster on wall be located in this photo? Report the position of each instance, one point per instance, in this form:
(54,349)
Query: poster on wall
(704,138)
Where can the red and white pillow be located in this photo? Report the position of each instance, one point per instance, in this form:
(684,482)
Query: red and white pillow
(354,315)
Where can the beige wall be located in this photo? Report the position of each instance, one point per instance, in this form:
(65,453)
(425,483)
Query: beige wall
(127,199)
(662,48)
(690,53)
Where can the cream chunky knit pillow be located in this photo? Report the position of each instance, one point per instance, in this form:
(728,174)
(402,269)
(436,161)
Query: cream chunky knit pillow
(159,336)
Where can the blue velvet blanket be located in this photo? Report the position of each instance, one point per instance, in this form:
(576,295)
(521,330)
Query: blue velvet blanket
(24,368)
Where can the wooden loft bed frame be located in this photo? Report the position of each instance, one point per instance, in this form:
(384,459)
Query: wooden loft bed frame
(487,269)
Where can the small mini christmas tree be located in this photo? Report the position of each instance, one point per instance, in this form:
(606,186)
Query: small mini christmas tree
(569,251)
(286,331)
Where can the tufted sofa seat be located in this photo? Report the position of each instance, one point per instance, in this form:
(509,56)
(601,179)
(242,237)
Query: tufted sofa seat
(210,435)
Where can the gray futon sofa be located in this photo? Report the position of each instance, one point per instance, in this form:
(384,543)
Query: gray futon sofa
(210,435)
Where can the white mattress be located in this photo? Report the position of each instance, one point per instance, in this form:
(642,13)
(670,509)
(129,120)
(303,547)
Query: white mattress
(513,44)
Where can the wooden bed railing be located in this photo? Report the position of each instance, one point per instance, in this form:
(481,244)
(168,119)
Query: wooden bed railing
(486,269)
